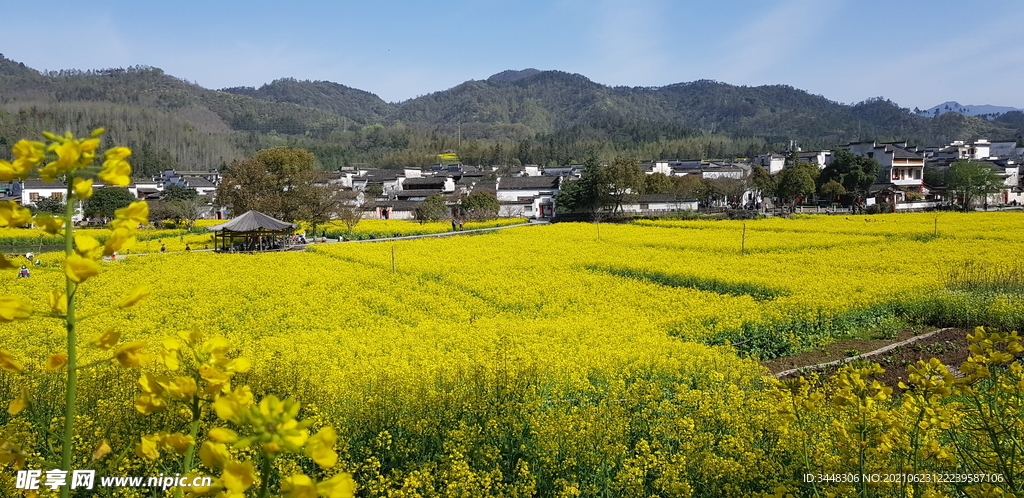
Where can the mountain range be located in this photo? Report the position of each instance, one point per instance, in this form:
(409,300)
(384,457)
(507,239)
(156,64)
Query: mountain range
(969,110)
(524,116)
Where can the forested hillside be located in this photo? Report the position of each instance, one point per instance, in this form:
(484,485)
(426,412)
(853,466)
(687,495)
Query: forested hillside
(513,117)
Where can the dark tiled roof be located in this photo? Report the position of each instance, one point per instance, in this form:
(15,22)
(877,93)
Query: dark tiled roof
(528,182)
(648,198)
(199,182)
(396,205)
(424,192)
(380,175)
(429,182)
(901,153)
(37,183)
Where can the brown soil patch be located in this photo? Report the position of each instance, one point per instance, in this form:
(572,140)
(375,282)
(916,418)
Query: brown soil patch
(948,345)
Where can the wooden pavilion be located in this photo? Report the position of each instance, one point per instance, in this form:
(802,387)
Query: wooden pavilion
(252,231)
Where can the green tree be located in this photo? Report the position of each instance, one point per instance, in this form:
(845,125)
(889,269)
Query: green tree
(855,173)
(688,186)
(582,194)
(375,189)
(832,189)
(432,208)
(620,182)
(52,205)
(481,206)
(274,181)
(106,200)
(796,182)
(763,181)
(971,182)
(175,192)
(658,183)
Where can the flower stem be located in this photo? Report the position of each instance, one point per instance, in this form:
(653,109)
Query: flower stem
(71,385)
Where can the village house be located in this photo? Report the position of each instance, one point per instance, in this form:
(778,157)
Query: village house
(529,196)
(901,172)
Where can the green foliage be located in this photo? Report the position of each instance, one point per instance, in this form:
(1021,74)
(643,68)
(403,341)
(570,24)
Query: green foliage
(432,208)
(276,182)
(854,173)
(52,205)
(797,181)
(620,182)
(106,200)
(832,189)
(658,183)
(173,192)
(971,182)
(582,195)
(763,181)
(480,206)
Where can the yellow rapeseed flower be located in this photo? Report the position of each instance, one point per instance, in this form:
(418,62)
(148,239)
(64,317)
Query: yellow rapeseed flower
(320,447)
(82,188)
(49,223)
(149,447)
(340,486)
(56,362)
(214,455)
(13,215)
(6,264)
(237,476)
(103,449)
(130,354)
(137,294)
(13,308)
(119,238)
(178,442)
(16,406)
(58,301)
(88,247)
(116,172)
(107,339)
(298,486)
(136,213)
(79,269)
(10,363)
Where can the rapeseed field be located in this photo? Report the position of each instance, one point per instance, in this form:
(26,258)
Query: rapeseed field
(556,360)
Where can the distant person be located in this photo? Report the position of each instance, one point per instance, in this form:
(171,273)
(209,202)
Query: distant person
(454,225)
(188,247)
(24,272)
(460,226)
(163,247)
(28,256)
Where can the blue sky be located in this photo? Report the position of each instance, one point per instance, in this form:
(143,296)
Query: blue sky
(918,53)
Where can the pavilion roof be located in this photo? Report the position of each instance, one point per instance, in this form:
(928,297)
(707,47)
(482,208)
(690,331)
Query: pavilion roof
(251,221)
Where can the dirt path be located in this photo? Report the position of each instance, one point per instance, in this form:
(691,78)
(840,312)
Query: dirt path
(948,345)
